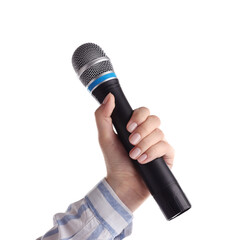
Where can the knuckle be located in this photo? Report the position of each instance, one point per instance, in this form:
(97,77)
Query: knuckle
(140,114)
(143,110)
(160,133)
(170,149)
(152,152)
(143,129)
(146,110)
(156,119)
(143,144)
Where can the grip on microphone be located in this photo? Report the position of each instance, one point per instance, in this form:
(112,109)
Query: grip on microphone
(159,179)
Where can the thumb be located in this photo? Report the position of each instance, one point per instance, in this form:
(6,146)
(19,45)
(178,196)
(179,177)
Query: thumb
(104,121)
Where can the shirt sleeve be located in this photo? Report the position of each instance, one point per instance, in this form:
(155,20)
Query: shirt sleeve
(100,215)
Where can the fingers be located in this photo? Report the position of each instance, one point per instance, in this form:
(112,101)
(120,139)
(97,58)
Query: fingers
(160,149)
(138,117)
(148,139)
(154,137)
(146,127)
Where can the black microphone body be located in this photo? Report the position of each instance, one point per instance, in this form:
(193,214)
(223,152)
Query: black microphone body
(158,178)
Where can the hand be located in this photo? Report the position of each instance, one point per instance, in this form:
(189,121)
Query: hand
(149,144)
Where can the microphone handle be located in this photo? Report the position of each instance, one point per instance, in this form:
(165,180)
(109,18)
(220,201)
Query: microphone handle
(159,179)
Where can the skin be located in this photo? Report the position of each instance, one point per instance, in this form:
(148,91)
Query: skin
(150,140)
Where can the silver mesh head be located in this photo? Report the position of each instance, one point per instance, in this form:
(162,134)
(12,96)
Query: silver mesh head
(89,61)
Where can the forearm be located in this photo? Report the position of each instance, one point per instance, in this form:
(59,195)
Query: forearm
(101,215)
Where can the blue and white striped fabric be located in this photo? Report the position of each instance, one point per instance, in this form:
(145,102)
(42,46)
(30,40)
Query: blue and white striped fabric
(100,215)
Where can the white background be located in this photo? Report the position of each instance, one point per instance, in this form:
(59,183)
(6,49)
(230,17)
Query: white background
(178,58)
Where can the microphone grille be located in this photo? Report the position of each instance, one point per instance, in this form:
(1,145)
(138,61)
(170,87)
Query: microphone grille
(84,55)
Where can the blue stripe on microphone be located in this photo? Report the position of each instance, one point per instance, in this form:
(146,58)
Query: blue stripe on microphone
(100,80)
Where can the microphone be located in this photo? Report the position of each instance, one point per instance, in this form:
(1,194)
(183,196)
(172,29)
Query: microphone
(95,71)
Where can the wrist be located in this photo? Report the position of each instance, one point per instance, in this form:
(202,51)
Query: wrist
(129,196)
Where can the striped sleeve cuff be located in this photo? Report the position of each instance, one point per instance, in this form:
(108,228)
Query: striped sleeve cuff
(111,212)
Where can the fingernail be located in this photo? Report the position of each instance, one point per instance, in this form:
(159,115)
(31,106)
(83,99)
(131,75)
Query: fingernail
(135,138)
(136,152)
(106,99)
(142,158)
(132,126)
